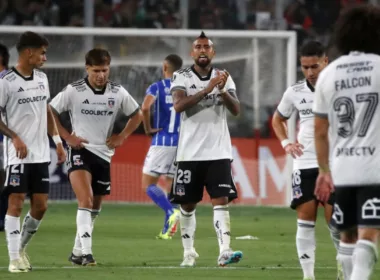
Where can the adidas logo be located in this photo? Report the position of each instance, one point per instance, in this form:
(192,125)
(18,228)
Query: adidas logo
(185,236)
(232,191)
(86,235)
(20,89)
(303,101)
(86,102)
(15,232)
(304,257)
(193,86)
(227,233)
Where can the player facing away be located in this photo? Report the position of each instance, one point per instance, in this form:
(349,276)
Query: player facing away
(203,94)
(93,103)
(26,122)
(300,97)
(164,131)
(347,123)
(4,60)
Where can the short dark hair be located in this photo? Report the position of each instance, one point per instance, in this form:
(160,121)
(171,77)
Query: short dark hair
(357,29)
(97,57)
(312,48)
(30,39)
(174,61)
(4,53)
(202,36)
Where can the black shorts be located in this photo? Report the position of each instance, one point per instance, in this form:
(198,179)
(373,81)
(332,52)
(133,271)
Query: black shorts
(303,186)
(27,178)
(192,176)
(99,169)
(357,206)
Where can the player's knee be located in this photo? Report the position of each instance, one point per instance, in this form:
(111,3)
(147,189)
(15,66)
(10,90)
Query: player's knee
(219,201)
(188,207)
(86,202)
(349,236)
(369,234)
(16,201)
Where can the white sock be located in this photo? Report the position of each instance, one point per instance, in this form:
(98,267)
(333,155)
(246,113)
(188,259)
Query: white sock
(222,227)
(12,230)
(344,256)
(84,230)
(77,249)
(188,224)
(364,259)
(335,236)
(29,228)
(305,241)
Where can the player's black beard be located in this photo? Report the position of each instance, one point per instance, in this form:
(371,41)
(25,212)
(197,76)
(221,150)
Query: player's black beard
(203,64)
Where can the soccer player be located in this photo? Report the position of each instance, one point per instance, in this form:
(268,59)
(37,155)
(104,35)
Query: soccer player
(300,97)
(27,120)
(203,94)
(347,123)
(93,103)
(4,61)
(161,154)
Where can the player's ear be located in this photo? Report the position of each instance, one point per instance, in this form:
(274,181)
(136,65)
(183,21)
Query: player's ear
(326,60)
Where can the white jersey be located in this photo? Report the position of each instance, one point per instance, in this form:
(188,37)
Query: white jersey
(347,93)
(23,102)
(300,97)
(93,112)
(204,133)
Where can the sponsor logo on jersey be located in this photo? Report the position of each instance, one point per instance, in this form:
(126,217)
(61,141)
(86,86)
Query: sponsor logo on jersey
(31,99)
(97,112)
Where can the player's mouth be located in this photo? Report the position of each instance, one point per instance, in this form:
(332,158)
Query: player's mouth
(203,58)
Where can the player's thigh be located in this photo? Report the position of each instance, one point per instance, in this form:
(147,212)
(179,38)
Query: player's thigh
(188,183)
(307,211)
(345,208)
(159,161)
(303,186)
(101,176)
(368,214)
(219,180)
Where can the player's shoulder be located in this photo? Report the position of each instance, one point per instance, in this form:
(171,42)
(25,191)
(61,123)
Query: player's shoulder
(9,76)
(116,88)
(79,85)
(297,87)
(182,73)
(40,74)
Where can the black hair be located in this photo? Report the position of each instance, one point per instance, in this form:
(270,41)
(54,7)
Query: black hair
(357,29)
(97,57)
(202,36)
(4,53)
(174,61)
(30,39)
(313,48)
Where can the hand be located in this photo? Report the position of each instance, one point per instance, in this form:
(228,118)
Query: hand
(114,141)
(224,75)
(60,153)
(324,186)
(75,142)
(295,150)
(213,83)
(152,131)
(21,149)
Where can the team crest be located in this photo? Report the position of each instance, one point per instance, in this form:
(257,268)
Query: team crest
(42,87)
(297,193)
(111,102)
(77,161)
(14,180)
(180,190)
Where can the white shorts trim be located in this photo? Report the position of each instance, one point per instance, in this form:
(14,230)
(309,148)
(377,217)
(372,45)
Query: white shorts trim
(160,161)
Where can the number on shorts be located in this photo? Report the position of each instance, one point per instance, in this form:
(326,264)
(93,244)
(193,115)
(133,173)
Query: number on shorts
(296,177)
(183,176)
(17,169)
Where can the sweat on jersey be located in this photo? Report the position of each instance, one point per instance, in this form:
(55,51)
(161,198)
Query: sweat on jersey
(93,112)
(23,103)
(347,93)
(300,97)
(204,133)
(164,115)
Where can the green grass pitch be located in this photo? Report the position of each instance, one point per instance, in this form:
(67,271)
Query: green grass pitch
(125,247)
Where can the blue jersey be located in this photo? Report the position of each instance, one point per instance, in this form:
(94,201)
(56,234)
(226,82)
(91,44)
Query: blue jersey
(164,115)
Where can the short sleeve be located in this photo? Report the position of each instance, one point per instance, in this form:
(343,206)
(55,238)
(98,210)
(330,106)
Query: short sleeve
(320,106)
(152,90)
(177,82)
(286,106)
(230,85)
(62,101)
(4,94)
(129,105)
